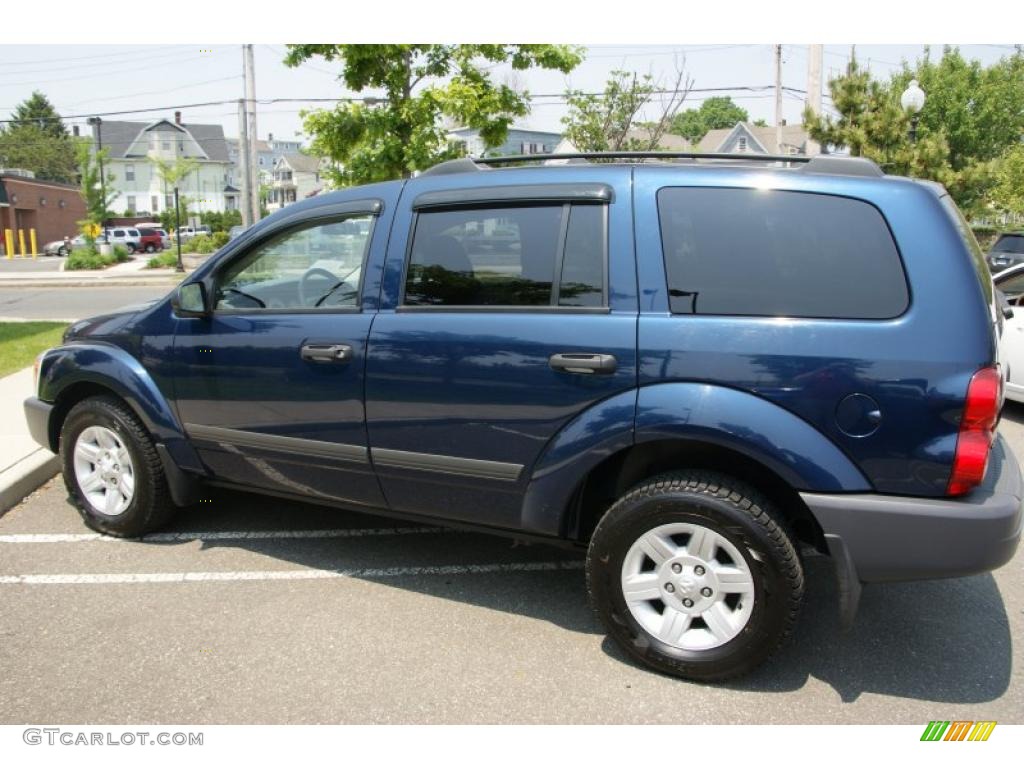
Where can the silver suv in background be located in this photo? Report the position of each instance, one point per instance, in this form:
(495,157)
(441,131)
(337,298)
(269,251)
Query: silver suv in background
(129,237)
(1007,251)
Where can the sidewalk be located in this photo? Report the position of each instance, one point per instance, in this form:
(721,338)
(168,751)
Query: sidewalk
(24,465)
(131,272)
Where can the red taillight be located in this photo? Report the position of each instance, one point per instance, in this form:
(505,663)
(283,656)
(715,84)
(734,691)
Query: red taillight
(977,425)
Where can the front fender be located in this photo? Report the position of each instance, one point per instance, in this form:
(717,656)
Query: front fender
(774,437)
(111,367)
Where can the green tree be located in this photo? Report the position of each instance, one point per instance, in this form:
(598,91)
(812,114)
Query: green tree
(611,121)
(419,86)
(1008,191)
(716,112)
(97,208)
(972,115)
(37,111)
(171,175)
(37,140)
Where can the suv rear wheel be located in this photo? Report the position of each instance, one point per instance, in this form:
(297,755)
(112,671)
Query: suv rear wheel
(693,574)
(112,470)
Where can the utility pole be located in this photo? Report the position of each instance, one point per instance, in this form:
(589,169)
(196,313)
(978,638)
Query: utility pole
(814,60)
(778,98)
(97,124)
(245,201)
(250,97)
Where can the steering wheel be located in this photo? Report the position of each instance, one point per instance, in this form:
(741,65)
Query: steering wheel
(306,293)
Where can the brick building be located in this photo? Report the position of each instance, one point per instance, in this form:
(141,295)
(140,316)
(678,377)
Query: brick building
(26,203)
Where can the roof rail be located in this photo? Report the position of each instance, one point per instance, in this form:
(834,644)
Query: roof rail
(825,164)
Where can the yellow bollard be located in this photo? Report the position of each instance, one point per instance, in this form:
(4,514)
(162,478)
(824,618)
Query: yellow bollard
(21,242)
(32,240)
(9,242)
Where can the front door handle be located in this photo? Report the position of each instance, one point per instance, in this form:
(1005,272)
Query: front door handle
(326,353)
(583,362)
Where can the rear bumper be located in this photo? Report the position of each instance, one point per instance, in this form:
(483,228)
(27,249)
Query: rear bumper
(897,538)
(37,414)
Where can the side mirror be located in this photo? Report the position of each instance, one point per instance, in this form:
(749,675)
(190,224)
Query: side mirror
(189,300)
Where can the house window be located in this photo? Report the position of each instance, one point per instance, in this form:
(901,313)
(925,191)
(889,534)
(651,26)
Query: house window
(153,201)
(168,202)
(131,203)
(129,172)
(165,145)
(741,145)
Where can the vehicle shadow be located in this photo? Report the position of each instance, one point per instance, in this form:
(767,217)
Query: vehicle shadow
(946,641)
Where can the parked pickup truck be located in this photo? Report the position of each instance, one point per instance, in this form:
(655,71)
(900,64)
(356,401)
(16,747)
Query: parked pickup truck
(697,372)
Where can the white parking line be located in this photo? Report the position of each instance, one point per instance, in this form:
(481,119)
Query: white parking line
(174,536)
(300,575)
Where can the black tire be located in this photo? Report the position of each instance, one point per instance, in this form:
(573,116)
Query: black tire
(151,506)
(733,510)
(62,251)
(150,248)
(130,247)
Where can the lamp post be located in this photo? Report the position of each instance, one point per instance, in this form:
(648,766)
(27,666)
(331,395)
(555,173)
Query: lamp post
(912,100)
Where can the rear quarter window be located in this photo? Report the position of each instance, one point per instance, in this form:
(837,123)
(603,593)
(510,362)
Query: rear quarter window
(773,253)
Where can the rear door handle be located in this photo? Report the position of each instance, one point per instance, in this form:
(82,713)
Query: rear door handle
(326,353)
(583,362)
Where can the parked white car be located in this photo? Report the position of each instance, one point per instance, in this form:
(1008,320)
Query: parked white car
(1010,283)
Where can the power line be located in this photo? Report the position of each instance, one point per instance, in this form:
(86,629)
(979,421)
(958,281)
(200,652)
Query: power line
(164,61)
(141,54)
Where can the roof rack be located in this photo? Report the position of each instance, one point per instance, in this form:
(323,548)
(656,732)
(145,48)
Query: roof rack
(829,164)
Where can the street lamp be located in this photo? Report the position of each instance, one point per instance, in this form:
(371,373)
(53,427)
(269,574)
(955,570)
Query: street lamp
(912,100)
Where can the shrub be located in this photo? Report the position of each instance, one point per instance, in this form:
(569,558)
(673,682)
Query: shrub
(201,244)
(163,261)
(220,239)
(121,254)
(87,258)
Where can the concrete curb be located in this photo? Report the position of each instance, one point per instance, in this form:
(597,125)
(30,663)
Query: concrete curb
(19,480)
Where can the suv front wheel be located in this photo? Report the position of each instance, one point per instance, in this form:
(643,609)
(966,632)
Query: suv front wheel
(112,470)
(694,575)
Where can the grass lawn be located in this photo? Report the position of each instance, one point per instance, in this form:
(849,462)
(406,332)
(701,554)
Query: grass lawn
(21,342)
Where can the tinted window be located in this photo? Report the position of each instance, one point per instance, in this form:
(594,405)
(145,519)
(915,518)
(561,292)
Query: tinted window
(778,254)
(508,257)
(1010,244)
(314,267)
(147,232)
(118,233)
(1012,285)
(582,282)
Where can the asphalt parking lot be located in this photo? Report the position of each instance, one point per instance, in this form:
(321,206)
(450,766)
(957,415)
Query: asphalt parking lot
(253,610)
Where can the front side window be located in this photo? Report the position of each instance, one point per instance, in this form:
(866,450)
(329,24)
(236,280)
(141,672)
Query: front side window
(525,256)
(778,254)
(316,267)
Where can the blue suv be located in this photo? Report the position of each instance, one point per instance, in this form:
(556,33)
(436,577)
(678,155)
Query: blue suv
(698,368)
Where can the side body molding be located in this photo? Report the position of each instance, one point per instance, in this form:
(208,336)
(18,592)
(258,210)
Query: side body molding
(114,368)
(781,441)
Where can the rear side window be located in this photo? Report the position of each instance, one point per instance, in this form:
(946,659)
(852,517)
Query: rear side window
(1010,244)
(524,256)
(778,254)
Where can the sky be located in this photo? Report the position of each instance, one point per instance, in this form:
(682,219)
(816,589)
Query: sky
(85,79)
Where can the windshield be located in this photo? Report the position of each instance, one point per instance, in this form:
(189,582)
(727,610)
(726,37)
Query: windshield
(1010,244)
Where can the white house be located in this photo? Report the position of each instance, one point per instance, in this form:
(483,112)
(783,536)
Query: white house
(296,177)
(133,149)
